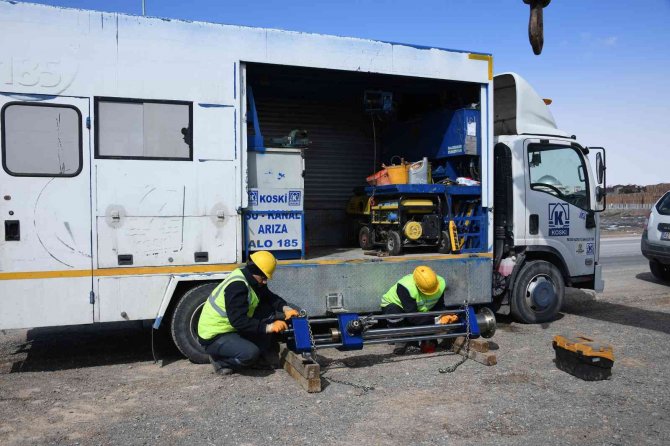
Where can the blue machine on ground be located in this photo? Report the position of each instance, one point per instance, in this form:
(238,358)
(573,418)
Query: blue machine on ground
(352,331)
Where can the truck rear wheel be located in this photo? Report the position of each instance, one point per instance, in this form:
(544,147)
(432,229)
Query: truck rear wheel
(184,324)
(537,294)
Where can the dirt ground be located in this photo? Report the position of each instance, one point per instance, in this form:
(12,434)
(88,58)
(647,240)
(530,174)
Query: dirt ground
(622,222)
(93,385)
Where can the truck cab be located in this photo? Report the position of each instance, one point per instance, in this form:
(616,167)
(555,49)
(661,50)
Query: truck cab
(546,205)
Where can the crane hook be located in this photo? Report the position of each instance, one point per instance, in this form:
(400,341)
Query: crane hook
(535,24)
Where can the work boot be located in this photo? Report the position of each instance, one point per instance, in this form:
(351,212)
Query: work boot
(400,348)
(219,369)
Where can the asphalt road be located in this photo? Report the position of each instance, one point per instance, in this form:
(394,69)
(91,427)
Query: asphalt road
(620,252)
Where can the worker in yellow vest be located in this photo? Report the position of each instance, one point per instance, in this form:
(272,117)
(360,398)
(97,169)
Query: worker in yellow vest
(419,292)
(237,324)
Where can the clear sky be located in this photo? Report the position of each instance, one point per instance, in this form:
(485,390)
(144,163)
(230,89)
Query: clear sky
(606,64)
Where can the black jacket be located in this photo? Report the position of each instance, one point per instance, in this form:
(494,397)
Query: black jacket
(237,305)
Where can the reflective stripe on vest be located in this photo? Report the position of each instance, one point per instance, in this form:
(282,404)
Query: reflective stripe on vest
(218,309)
(423,302)
(214,319)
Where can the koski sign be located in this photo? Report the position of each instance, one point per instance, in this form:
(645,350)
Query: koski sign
(559,219)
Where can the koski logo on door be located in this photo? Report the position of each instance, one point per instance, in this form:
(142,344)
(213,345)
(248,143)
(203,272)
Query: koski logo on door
(559,219)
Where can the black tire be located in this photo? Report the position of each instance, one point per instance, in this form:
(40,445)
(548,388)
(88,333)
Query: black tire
(184,322)
(394,243)
(365,237)
(445,243)
(659,270)
(534,305)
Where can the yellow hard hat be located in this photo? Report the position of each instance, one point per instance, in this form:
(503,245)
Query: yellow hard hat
(265,261)
(426,280)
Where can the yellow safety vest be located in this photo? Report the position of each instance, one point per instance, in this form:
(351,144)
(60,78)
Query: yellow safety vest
(213,319)
(424,302)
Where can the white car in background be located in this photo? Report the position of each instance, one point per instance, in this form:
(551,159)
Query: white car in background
(656,239)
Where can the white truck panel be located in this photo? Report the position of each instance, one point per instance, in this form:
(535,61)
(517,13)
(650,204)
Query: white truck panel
(45,302)
(80,52)
(137,297)
(167,240)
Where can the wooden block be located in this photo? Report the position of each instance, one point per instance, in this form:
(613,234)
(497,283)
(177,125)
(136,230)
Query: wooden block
(478,345)
(312,385)
(485,358)
(307,368)
(306,372)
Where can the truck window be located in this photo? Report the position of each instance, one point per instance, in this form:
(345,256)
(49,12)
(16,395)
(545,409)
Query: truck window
(663,206)
(559,171)
(143,129)
(41,139)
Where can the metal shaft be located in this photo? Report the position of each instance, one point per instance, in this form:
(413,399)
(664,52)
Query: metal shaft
(412,338)
(399,315)
(409,330)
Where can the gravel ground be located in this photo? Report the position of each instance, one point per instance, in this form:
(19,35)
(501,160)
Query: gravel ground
(86,385)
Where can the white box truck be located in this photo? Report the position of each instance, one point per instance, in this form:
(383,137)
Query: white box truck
(126,143)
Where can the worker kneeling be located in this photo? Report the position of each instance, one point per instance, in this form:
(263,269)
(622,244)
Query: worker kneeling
(419,292)
(237,323)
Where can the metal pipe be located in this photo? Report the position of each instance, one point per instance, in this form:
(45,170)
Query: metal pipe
(370,334)
(412,338)
(399,315)
(323,336)
(330,320)
(331,345)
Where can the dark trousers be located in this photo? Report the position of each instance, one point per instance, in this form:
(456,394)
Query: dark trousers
(235,350)
(238,350)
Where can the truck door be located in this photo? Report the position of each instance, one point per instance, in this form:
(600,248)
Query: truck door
(558,202)
(45,204)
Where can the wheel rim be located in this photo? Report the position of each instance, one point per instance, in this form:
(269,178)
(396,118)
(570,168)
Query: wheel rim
(540,293)
(195,317)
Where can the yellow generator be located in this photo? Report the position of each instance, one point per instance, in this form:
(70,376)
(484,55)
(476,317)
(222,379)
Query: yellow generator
(397,223)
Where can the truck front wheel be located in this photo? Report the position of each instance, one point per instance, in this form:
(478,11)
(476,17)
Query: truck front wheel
(537,294)
(184,324)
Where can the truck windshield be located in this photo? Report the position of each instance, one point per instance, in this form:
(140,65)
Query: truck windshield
(559,171)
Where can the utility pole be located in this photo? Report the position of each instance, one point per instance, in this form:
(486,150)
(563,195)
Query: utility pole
(144,11)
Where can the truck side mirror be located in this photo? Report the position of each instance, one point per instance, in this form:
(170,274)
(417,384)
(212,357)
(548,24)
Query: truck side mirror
(601,178)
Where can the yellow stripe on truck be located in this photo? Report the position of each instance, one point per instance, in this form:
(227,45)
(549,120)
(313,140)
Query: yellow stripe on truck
(204,269)
(485,57)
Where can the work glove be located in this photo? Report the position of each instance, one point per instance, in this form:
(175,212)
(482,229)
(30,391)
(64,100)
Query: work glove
(290,312)
(276,327)
(447,319)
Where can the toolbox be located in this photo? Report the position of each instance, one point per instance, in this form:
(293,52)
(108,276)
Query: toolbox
(583,357)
